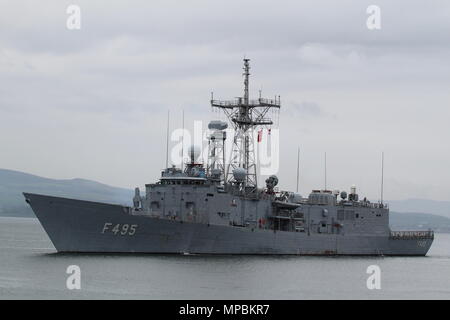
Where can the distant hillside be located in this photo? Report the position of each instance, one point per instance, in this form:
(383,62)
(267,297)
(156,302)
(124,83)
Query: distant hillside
(418,221)
(441,208)
(13,183)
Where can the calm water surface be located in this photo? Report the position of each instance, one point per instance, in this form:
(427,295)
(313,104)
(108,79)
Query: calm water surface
(30,269)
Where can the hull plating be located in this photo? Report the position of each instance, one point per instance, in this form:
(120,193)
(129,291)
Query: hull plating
(83,226)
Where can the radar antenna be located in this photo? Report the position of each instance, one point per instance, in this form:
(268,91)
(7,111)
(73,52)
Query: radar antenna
(245,116)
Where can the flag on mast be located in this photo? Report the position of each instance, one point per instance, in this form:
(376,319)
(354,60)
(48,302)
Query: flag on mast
(260,132)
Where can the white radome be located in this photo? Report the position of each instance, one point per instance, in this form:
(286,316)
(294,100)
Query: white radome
(239,174)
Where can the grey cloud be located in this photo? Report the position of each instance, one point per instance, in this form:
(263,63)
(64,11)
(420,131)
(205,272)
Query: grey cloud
(306,109)
(234,25)
(107,87)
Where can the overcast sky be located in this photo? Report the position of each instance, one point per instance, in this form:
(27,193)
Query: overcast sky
(92,103)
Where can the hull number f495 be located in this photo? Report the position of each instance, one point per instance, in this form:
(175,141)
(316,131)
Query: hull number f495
(120,229)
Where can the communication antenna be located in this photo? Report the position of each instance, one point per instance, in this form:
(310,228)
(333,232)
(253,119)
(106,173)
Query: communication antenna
(167,140)
(382,175)
(245,116)
(325,171)
(298,167)
(182,142)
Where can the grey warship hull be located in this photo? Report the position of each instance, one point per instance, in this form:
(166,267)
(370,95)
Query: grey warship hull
(220,209)
(92,227)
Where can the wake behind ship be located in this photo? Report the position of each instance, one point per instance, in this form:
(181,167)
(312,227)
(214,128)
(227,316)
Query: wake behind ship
(219,208)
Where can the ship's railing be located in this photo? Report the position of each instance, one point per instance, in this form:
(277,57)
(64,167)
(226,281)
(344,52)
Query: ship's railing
(259,121)
(406,235)
(226,103)
(239,102)
(373,205)
(271,102)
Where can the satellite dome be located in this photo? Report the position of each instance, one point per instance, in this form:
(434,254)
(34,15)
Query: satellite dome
(239,174)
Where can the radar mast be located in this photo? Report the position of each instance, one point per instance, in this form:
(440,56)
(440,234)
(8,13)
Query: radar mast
(245,116)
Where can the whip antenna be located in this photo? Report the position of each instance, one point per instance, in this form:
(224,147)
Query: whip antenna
(167,140)
(298,166)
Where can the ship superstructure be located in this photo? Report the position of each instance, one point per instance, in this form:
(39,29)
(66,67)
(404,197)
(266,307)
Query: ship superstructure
(218,208)
(245,115)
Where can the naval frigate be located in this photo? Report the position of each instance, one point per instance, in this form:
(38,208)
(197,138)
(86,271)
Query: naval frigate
(219,208)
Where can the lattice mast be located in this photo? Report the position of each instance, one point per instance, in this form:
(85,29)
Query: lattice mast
(245,116)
